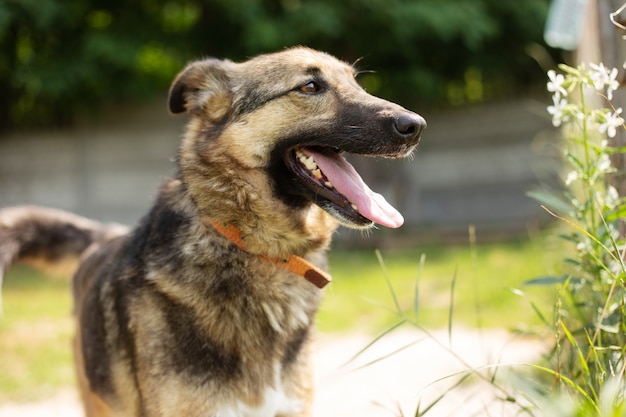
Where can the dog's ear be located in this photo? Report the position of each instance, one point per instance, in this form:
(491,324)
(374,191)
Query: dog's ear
(199,84)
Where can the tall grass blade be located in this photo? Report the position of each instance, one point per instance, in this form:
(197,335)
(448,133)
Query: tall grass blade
(419,413)
(540,314)
(451,309)
(574,343)
(388,355)
(569,382)
(416,301)
(546,281)
(620,255)
(586,233)
(389,284)
(474,267)
(376,339)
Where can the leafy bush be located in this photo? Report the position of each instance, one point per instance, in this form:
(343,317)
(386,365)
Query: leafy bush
(58,57)
(587,361)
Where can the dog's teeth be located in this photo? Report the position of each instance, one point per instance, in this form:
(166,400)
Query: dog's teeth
(310,164)
(355,207)
(329,184)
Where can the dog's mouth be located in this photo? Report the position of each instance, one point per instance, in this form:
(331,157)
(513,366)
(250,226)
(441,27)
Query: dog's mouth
(339,189)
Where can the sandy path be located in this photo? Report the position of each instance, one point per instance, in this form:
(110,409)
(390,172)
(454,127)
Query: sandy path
(398,382)
(395,385)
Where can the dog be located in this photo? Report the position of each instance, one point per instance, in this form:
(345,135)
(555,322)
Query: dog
(206,308)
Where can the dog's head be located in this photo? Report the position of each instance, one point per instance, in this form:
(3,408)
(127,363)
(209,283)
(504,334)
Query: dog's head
(292,115)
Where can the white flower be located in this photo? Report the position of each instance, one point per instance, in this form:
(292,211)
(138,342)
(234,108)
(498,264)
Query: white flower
(598,75)
(611,123)
(612,197)
(604,163)
(612,84)
(584,246)
(558,110)
(602,77)
(571,177)
(555,85)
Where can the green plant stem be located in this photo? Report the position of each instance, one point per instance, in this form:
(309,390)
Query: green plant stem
(588,181)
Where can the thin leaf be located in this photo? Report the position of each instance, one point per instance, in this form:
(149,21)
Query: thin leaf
(570,383)
(551,201)
(617,214)
(574,160)
(417,280)
(619,258)
(472,371)
(451,309)
(545,281)
(388,280)
(615,150)
(442,396)
(572,262)
(388,355)
(376,339)
(579,352)
(574,238)
(593,353)
(586,233)
(379,304)
(541,316)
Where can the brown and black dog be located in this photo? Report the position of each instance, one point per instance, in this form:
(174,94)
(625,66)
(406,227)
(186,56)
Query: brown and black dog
(206,308)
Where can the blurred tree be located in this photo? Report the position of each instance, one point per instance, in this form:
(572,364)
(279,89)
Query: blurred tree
(60,57)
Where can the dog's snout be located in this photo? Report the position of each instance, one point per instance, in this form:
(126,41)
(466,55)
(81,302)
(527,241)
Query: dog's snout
(409,127)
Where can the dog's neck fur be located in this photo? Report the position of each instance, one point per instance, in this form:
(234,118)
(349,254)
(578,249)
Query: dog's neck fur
(228,198)
(294,264)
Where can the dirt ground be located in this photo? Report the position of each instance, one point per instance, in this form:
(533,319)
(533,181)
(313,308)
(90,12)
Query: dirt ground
(409,368)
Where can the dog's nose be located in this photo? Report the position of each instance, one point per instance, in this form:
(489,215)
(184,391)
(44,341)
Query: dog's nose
(409,127)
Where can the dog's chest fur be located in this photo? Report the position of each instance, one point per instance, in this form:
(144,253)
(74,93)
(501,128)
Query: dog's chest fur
(276,401)
(218,337)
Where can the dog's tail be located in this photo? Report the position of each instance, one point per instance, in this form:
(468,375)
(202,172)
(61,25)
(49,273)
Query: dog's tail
(47,236)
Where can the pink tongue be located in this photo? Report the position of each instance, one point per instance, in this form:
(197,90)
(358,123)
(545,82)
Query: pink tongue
(348,182)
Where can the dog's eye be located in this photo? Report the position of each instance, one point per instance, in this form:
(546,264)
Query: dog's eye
(310,88)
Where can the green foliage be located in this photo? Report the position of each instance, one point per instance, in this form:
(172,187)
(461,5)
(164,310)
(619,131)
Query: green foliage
(483,277)
(60,57)
(587,361)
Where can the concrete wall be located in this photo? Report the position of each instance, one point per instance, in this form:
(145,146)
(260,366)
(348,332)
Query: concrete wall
(474,166)
(107,168)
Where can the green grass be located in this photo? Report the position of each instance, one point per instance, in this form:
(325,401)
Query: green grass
(483,278)
(36,329)
(35,335)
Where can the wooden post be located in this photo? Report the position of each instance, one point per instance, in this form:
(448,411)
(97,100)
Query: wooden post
(603,41)
(613,54)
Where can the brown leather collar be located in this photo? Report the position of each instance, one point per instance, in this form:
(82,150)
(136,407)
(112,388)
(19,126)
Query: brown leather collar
(294,263)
